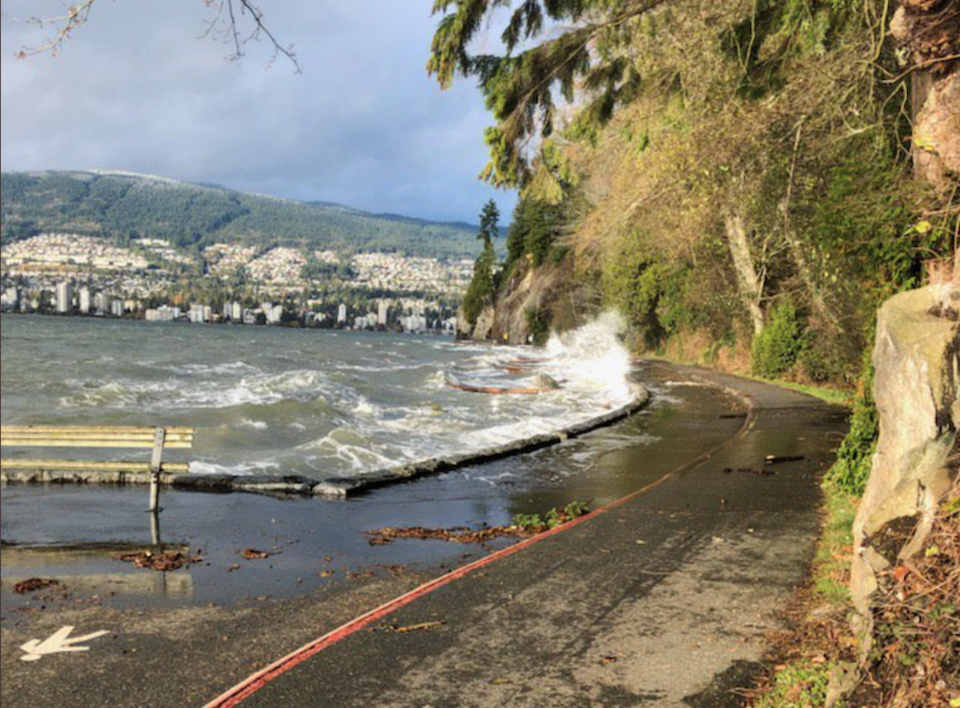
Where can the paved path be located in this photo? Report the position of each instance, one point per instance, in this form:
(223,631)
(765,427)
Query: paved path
(661,600)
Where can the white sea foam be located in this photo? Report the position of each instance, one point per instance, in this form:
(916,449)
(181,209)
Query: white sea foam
(331,408)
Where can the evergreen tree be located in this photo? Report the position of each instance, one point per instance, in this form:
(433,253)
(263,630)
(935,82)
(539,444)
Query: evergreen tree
(489,229)
(521,88)
(481,290)
(536,227)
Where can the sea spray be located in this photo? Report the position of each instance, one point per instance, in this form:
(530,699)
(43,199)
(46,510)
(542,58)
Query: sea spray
(593,356)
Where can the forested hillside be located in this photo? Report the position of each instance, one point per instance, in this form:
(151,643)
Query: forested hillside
(121,206)
(745,180)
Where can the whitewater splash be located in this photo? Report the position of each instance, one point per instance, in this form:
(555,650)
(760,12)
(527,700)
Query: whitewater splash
(594,357)
(590,364)
(270,401)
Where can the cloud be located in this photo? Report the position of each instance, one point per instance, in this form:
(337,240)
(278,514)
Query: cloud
(137,89)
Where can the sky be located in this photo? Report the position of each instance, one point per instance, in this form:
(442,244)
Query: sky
(137,89)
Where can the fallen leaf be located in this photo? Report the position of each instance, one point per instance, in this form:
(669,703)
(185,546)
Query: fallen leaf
(417,627)
(254,554)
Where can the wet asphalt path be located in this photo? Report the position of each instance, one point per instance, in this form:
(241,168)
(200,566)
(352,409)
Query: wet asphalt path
(663,600)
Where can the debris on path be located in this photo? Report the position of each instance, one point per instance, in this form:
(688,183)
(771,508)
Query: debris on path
(523,526)
(33,584)
(161,561)
(774,459)
(256,554)
(749,470)
(456,534)
(409,628)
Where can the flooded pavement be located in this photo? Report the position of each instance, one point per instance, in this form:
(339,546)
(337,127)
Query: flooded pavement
(658,600)
(74,533)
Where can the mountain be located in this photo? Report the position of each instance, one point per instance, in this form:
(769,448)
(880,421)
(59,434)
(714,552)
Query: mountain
(120,205)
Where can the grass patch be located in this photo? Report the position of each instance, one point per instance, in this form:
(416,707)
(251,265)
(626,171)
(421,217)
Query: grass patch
(798,685)
(831,566)
(827,394)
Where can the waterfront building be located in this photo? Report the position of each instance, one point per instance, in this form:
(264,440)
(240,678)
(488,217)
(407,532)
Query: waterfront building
(86,301)
(64,297)
(101,302)
(116,308)
(383,312)
(414,323)
(200,313)
(274,314)
(11,299)
(341,314)
(164,313)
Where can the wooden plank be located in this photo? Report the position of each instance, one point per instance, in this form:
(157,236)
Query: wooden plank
(90,428)
(90,466)
(62,442)
(90,433)
(136,437)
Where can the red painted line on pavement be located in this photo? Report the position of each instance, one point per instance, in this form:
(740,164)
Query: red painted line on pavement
(243,690)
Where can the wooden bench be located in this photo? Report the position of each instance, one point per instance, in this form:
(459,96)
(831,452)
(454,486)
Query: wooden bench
(115,437)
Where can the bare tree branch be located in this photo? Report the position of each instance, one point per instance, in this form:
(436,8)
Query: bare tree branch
(62,27)
(237,23)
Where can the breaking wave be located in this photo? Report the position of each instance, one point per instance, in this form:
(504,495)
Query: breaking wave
(281,402)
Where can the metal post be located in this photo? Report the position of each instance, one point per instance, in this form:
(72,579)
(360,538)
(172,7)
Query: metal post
(155,459)
(155,530)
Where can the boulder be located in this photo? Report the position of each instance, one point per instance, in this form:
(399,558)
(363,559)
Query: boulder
(546,382)
(917,375)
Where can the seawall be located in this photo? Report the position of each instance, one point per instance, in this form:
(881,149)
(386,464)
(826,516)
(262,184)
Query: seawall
(336,487)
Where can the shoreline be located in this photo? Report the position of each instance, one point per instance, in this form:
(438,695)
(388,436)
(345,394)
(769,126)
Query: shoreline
(335,487)
(704,524)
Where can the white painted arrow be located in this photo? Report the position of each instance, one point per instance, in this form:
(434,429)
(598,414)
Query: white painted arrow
(57,642)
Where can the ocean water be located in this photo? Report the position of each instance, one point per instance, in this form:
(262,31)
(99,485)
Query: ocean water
(279,401)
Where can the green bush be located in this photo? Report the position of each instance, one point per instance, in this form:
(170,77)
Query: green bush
(778,347)
(538,324)
(855,456)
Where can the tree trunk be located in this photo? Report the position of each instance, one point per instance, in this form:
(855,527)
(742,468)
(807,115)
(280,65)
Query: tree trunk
(817,301)
(748,282)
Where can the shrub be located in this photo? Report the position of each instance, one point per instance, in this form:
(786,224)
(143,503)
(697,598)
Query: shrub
(778,347)
(538,324)
(855,456)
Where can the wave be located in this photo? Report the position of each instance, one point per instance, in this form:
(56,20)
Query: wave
(328,408)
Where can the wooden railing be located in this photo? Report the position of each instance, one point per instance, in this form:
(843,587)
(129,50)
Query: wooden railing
(109,437)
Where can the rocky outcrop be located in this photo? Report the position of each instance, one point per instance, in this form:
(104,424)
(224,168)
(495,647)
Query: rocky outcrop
(551,292)
(916,390)
(927,33)
(936,134)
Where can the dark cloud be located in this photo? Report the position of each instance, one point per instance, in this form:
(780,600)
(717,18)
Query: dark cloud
(137,90)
